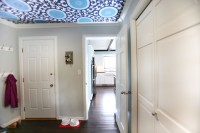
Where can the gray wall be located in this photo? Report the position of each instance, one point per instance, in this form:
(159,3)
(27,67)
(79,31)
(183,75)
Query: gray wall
(70,83)
(9,61)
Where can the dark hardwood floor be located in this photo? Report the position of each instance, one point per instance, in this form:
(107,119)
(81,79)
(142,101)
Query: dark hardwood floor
(101,118)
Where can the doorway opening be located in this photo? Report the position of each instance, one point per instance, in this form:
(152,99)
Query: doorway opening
(99,59)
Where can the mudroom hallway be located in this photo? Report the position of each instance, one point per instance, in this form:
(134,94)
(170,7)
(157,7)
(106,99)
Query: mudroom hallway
(101,118)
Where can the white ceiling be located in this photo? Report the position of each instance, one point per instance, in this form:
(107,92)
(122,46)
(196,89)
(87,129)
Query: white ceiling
(102,43)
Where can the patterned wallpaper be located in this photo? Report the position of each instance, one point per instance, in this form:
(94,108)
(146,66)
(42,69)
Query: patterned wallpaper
(61,11)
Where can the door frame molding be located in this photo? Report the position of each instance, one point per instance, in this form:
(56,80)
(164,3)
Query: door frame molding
(140,7)
(134,78)
(84,43)
(22,100)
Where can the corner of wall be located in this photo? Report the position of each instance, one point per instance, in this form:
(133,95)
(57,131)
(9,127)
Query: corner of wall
(7,23)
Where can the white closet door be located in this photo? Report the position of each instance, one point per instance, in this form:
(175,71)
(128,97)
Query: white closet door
(121,80)
(38,59)
(168,49)
(145,72)
(178,66)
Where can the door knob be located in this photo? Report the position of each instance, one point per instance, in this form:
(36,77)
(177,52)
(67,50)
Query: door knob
(51,85)
(154,114)
(123,92)
(51,73)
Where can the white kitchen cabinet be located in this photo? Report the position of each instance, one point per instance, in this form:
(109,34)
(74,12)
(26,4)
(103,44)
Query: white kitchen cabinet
(104,79)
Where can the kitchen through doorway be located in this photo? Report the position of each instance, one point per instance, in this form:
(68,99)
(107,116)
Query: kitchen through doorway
(100,71)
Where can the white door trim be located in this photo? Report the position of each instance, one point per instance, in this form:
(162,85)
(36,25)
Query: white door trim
(134,78)
(141,5)
(84,37)
(22,102)
(134,72)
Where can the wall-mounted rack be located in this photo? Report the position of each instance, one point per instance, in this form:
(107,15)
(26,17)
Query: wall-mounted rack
(6,48)
(5,74)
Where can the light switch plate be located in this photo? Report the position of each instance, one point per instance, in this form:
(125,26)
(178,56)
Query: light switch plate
(79,71)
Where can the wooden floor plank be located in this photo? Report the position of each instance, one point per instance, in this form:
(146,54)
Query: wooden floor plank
(101,118)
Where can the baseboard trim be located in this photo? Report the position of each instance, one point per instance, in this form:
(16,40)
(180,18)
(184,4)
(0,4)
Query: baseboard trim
(40,119)
(79,118)
(105,85)
(11,121)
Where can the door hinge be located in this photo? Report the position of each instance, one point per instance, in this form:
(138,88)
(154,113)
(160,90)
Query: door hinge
(23,79)
(24,109)
(22,50)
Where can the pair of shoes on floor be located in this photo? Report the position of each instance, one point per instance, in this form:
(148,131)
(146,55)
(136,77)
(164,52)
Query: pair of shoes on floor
(72,122)
(3,130)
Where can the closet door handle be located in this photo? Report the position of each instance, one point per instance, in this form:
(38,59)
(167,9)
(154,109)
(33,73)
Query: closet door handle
(51,85)
(155,115)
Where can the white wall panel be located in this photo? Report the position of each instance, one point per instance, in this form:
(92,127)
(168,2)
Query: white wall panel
(145,120)
(145,73)
(179,76)
(145,29)
(175,15)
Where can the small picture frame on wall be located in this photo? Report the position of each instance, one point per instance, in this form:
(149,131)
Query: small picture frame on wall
(69,57)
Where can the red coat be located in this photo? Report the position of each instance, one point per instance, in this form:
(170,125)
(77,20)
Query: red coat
(11,92)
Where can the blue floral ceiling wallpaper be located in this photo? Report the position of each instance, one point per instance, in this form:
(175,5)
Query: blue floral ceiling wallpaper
(61,11)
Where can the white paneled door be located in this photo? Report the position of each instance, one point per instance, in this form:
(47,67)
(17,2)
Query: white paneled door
(145,48)
(38,72)
(168,52)
(122,80)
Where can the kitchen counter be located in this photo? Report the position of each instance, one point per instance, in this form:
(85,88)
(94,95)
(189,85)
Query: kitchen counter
(105,79)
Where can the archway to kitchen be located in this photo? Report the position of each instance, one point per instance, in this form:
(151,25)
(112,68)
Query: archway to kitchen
(99,70)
